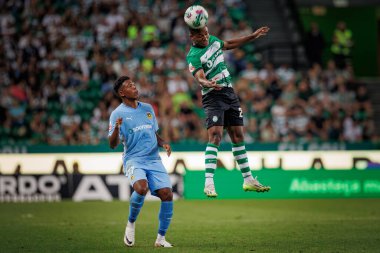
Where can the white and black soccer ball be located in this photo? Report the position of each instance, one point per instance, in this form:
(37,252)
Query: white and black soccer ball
(196,17)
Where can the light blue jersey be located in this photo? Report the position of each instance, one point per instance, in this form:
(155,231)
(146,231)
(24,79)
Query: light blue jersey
(141,160)
(137,132)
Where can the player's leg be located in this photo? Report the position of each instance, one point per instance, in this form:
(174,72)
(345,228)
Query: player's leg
(137,199)
(139,183)
(214,137)
(214,106)
(238,149)
(233,120)
(165,216)
(160,186)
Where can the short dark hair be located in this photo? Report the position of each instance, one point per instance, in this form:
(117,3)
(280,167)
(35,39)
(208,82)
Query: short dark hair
(118,83)
(194,31)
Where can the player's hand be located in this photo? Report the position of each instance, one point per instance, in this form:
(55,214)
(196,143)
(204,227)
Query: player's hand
(261,32)
(214,85)
(168,149)
(118,122)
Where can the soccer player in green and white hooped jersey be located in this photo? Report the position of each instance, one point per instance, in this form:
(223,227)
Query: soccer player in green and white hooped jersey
(220,102)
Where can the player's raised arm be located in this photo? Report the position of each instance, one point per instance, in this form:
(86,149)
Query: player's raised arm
(235,43)
(202,80)
(114,137)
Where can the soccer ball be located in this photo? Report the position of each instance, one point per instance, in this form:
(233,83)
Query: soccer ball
(196,17)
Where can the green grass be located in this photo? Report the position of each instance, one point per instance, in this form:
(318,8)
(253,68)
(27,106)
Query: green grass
(334,225)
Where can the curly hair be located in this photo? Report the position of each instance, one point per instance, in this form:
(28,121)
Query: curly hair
(118,83)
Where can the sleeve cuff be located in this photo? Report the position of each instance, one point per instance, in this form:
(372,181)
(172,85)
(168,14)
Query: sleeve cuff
(195,71)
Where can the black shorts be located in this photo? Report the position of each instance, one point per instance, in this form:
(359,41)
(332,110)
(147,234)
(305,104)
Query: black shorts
(222,108)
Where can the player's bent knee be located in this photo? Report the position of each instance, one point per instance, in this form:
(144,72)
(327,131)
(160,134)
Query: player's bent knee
(236,135)
(215,138)
(141,187)
(165,194)
(215,134)
(237,138)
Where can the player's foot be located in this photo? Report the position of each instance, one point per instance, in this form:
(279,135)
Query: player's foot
(163,243)
(129,236)
(254,185)
(210,191)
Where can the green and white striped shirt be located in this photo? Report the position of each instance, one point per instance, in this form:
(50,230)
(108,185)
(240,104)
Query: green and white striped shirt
(211,60)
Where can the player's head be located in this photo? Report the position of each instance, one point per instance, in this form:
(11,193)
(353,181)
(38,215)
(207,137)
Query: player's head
(199,37)
(124,87)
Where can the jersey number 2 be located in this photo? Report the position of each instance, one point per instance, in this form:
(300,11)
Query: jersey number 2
(241,113)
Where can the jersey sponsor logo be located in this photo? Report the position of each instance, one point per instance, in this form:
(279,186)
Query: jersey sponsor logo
(139,128)
(128,118)
(149,115)
(214,58)
(191,67)
(214,47)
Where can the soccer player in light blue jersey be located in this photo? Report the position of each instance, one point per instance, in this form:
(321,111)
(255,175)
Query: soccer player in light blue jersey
(134,124)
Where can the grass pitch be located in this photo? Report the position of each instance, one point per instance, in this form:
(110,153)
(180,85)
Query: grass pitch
(328,225)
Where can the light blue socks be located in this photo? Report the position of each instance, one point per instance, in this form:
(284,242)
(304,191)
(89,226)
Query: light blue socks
(136,202)
(165,216)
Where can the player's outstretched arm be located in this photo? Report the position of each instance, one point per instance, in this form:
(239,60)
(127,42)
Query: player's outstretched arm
(202,80)
(114,138)
(235,43)
(165,145)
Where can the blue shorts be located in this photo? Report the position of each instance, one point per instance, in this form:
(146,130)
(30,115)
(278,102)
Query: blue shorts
(152,171)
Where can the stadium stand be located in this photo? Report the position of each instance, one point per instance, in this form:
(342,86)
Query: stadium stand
(57,70)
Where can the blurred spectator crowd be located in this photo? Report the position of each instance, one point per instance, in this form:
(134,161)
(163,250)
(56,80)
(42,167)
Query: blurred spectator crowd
(59,59)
